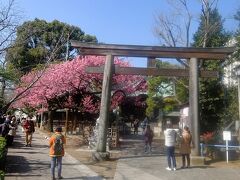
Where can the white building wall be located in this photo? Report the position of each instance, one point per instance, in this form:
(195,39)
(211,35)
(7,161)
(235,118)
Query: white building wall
(229,78)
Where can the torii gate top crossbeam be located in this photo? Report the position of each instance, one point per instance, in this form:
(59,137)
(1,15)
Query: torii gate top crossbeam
(152,51)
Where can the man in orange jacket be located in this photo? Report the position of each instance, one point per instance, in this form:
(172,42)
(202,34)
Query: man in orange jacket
(56,153)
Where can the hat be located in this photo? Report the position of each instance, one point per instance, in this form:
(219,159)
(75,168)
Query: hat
(58,129)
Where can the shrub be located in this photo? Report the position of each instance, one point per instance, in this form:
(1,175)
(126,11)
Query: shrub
(2,174)
(211,138)
(3,152)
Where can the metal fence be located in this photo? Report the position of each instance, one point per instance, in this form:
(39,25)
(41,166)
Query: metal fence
(202,146)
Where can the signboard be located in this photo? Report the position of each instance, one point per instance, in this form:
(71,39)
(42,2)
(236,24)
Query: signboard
(227,135)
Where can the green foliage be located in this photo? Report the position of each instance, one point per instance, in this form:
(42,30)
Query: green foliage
(9,74)
(3,144)
(216,35)
(170,104)
(39,41)
(3,154)
(2,174)
(212,99)
(161,93)
(153,103)
(231,112)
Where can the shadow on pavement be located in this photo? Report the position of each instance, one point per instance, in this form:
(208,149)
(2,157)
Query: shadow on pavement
(20,166)
(85,177)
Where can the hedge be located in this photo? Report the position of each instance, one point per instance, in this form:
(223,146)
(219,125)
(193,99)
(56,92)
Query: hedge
(3,153)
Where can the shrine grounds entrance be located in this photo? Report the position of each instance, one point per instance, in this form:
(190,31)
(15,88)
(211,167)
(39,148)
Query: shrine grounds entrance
(151,52)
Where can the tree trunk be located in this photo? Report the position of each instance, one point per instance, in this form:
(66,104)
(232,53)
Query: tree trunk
(66,121)
(50,121)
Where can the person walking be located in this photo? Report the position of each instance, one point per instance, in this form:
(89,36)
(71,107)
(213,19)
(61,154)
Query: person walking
(29,129)
(148,137)
(170,140)
(56,152)
(136,125)
(185,146)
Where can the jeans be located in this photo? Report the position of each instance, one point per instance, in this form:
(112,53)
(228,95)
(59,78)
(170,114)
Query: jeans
(171,157)
(148,148)
(57,160)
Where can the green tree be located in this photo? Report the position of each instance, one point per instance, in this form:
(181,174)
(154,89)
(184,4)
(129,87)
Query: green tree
(9,21)
(232,111)
(165,93)
(39,42)
(212,98)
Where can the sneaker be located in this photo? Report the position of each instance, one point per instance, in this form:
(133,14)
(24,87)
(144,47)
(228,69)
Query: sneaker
(168,168)
(174,169)
(60,177)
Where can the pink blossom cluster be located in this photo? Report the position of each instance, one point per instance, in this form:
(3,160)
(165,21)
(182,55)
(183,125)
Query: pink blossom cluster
(69,78)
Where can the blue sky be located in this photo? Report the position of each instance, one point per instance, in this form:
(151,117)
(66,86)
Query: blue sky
(116,21)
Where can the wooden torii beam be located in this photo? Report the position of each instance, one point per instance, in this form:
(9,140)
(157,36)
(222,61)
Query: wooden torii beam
(151,71)
(152,51)
(111,50)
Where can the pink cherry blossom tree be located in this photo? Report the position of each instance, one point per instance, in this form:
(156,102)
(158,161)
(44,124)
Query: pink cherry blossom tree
(67,85)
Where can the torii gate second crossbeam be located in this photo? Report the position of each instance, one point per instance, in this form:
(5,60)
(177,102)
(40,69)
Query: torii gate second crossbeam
(111,50)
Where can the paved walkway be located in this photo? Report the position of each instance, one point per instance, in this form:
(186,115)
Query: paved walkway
(25,163)
(137,165)
(153,168)
(34,163)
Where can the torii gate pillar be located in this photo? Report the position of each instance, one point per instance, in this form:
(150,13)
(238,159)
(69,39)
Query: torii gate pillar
(104,109)
(151,51)
(194,105)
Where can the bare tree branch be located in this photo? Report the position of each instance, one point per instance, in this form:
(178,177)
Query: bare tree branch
(170,29)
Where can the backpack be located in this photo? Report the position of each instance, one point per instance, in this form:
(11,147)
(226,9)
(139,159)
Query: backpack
(58,145)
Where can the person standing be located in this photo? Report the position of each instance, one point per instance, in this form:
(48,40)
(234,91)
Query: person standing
(38,120)
(185,146)
(12,131)
(56,152)
(148,137)
(170,140)
(144,123)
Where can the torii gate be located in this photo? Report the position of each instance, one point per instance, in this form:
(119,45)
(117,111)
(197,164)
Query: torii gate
(111,50)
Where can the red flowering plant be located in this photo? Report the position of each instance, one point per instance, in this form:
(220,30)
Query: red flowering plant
(209,139)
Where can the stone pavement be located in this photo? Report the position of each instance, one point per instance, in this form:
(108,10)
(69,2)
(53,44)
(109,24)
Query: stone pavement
(137,165)
(153,168)
(33,163)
